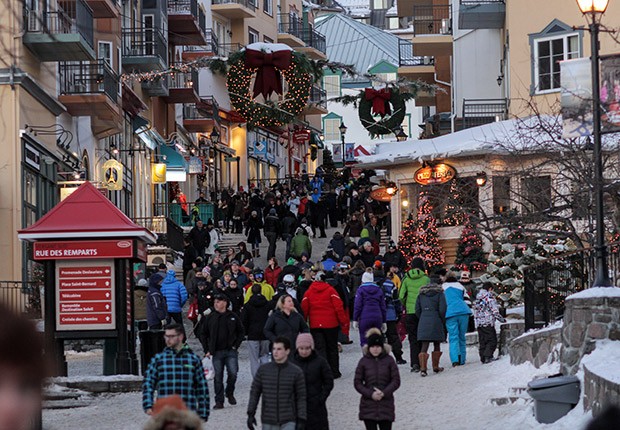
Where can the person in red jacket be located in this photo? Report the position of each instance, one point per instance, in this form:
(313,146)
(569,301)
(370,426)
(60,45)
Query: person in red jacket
(323,308)
(272,271)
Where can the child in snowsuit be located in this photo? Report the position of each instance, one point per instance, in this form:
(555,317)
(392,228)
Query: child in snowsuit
(486,312)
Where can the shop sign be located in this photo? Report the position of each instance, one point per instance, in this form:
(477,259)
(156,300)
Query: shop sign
(301,136)
(195,165)
(158,173)
(380,194)
(437,174)
(85,295)
(81,250)
(113,175)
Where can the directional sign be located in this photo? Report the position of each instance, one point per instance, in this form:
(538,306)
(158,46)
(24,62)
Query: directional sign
(85,295)
(230,159)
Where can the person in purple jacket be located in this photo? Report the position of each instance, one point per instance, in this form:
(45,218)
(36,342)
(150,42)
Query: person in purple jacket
(369,309)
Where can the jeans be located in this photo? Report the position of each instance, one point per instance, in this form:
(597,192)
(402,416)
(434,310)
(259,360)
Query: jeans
(272,238)
(380,425)
(291,425)
(411,323)
(326,344)
(230,359)
(257,349)
(457,327)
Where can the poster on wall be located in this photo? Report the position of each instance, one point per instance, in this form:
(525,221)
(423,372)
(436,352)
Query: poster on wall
(576,98)
(610,94)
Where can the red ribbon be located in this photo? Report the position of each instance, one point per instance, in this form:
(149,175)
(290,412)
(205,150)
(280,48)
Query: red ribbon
(268,79)
(380,100)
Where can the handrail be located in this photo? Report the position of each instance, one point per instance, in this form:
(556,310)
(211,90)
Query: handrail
(87,77)
(73,17)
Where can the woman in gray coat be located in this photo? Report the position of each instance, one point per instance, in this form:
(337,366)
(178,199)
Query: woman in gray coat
(430,307)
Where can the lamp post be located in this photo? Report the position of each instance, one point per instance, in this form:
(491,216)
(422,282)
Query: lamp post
(401,136)
(215,138)
(343,131)
(594,9)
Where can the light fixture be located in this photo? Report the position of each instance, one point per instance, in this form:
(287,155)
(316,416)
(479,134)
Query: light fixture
(342,128)
(500,79)
(215,136)
(391,188)
(592,6)
(405,203)
(77,175)
(401,136)
(113,148)
(481,179)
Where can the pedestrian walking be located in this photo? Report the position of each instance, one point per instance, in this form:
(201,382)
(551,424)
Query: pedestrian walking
(199,235)
(266,289)
(140,300)
(282,387)
(393,310)
(300,245)
(176,370)
(285,321)
(393,257)
(176,296)
(214,238)
(319,381)
(236,296)
(272,272)
(457,318)
(189,256)
(288,227)
(369,310)
(156,307)
(486,312)
(376,379)
(323,308)
(252,231)
(221,334)
(430,307)
(372,231)
(337,244)
(410,286)
(354,228)
(367,255)
(272,230)
(254,317)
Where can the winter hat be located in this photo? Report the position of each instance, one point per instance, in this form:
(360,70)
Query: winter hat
(288,278)
(291,261)
(392,245)
(172,409)
(465,276)
(418,263)
(272,211)
(304,339)
(172,272)
(374,337)
(378,264)
(367,277)
(155,278)
(320,276)
(142,283)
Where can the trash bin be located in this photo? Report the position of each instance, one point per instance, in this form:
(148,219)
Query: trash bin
(151,343)
(554,397)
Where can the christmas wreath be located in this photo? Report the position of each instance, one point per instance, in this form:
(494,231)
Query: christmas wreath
(377,103)
(270,63)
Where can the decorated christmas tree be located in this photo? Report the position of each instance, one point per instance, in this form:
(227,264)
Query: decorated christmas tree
(469,254)
(419,238)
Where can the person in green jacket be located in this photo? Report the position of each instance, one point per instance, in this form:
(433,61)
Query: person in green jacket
(410,286)
(300,244)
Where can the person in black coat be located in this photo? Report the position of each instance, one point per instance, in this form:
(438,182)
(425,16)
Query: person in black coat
(254,317)
(252,231)
(272,229)
(285,321)
(331,201)
(189,256)
(338,245)
(200,238)
(287,230)
(319,381)
(394,257)
(236,295)
(367,254)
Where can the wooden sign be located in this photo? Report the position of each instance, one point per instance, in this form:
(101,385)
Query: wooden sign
(437,174)
(380,194)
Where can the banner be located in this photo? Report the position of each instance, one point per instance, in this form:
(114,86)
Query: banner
(195,165)
(158,173)
(337,152)
(113,175)
(349,152)
(610,94)
(576,99)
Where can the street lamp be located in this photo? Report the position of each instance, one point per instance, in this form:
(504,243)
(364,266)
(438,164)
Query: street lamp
(343,131)
(401,136)
(481,179)
(595,9)
(215,138)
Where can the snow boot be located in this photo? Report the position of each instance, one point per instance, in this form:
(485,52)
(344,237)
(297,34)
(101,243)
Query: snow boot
(435,356)
(423,357)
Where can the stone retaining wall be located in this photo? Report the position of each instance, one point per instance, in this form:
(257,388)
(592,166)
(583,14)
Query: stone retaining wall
(507,333)
(538,347)
(587,320)
(598,392)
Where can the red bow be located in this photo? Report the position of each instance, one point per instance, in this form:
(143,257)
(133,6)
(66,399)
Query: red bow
(268,77)
(380,100)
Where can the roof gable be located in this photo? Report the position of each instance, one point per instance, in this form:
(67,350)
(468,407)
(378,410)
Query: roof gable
(383,66)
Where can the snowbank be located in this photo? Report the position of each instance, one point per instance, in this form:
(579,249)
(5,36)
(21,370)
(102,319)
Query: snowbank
(604,361)
(550,327)
(591,293)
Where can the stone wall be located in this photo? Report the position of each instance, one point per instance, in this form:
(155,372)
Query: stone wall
(537,347)
(598,392)
(507,333)
(587,320)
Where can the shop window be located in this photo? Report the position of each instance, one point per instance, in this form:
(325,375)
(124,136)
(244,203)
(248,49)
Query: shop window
(501,194)
(536,193)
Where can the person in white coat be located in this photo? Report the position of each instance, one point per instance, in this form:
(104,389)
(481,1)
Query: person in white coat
(215,238)
(293,203)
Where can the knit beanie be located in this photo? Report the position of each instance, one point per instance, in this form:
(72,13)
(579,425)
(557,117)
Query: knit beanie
(367,277)
(375,339)
(304,339)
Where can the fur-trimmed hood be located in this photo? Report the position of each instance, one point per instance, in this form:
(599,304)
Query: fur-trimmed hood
(188,419)
(387,349)
(431,289)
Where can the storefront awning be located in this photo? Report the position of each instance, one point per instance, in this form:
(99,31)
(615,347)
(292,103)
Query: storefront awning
(176,166)
(149,136)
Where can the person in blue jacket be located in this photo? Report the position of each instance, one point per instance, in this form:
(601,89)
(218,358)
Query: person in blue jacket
(457,318)
(156,309)
(176,296)
(393,309)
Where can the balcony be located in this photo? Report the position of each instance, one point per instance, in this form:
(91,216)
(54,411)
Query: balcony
(89,89)
(192,53)
(414,67)
(317,103)
(480,14)
(404,7)
(104,8)
(182,88)
(202,116)
(186,23)
(144,50)
(65,34)
(158,87)
(228,48)
(478,112)
(234,9)
(315,43)
(290,30)
(432,30)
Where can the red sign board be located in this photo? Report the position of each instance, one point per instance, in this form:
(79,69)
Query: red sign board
(301,136)
(81,250)
(85,295)
(437,174)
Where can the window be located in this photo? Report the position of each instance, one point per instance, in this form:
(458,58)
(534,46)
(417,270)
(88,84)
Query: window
(267,39)
(536,193)
(379,4)
(253,36)
(501,194)
(392,23)
(104,52)
(268,7)
(387,77)
(331,84)
(330,128)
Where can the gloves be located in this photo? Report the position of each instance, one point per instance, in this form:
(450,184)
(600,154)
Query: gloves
(301,425)
(383,328)
(354,325)
(251,422)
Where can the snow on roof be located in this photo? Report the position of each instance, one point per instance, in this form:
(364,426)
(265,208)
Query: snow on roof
(604,361)
(591,293)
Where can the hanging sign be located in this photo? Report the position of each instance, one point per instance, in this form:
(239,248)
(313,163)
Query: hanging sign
(301,136)
(158,173)
(380,194)
(195,166)
(113,175)
(437,174)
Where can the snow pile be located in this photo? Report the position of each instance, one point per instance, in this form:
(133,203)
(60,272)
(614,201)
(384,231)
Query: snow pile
(554,326)
(604,361)
(591,293)
(102,378)
(269,47)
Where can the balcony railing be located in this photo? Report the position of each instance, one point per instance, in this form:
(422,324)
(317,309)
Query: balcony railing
(206,109)
(182,80)
(174,211)
(291,24)
(143,43)
(88,78)
(406,57)
(183,7)
(432,20)
(212,46)
(74,17)
(478,112)
(228,48)
(168,232)
(318,97)
(250,4)
(313,38)
(476,2)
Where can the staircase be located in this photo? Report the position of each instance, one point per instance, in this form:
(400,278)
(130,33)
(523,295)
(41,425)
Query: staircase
(228,240)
